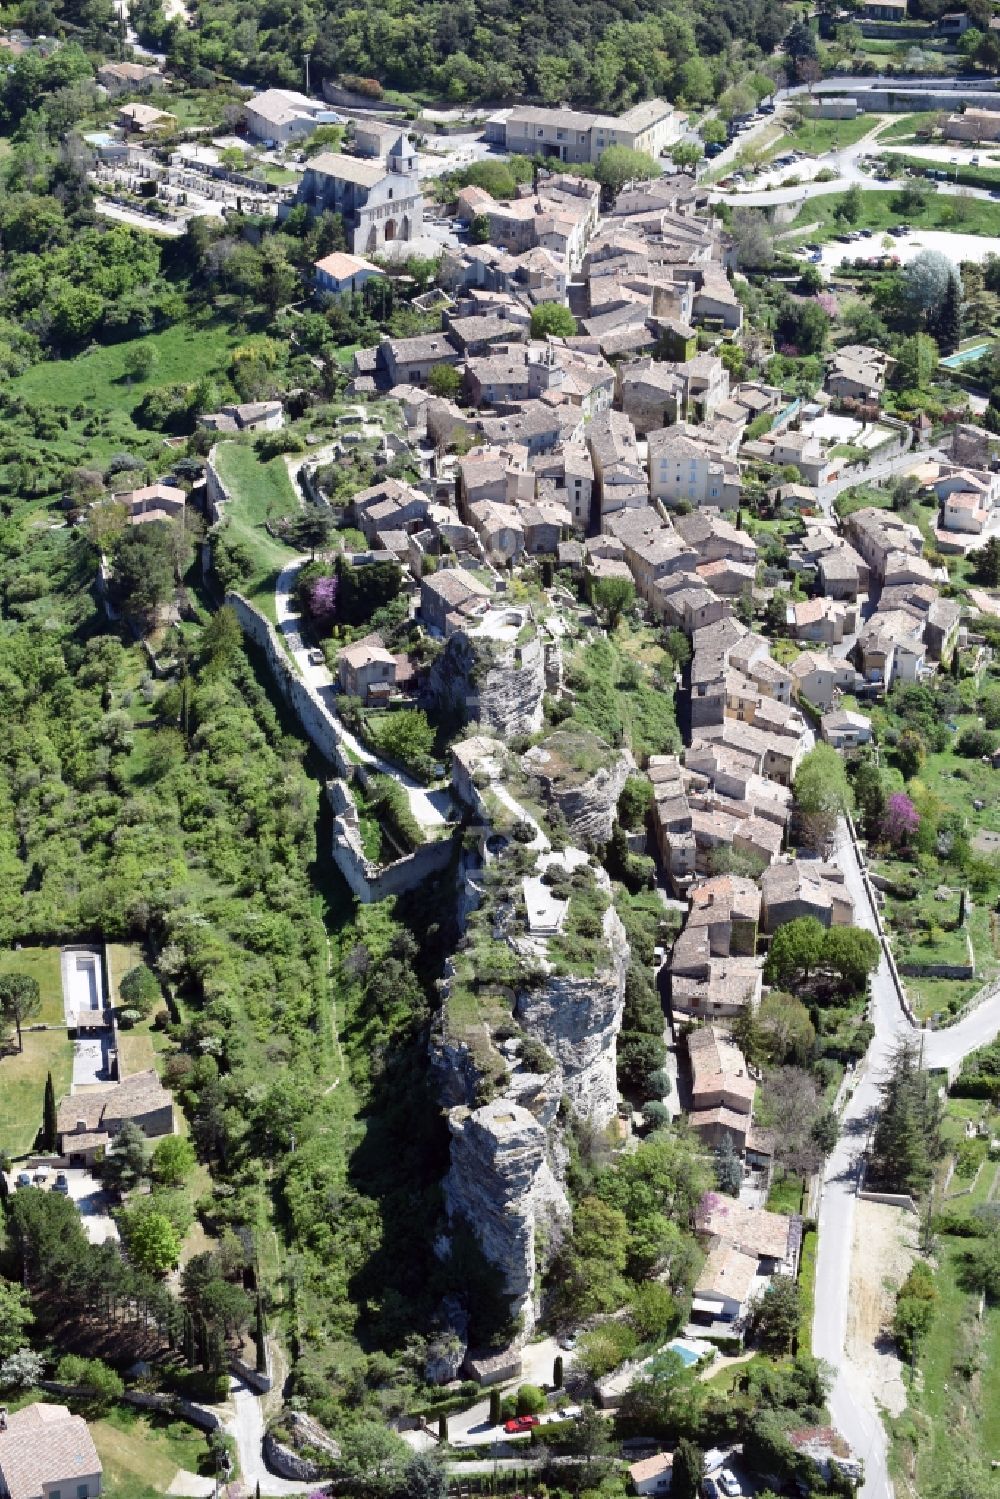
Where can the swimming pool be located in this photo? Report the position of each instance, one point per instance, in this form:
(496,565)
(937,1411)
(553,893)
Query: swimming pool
(689,1350)
(965,356)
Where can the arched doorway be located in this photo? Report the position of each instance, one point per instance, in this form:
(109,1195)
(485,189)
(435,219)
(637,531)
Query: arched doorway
(390,230)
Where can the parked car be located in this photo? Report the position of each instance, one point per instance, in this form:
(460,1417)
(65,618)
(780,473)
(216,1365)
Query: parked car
(709,1488)
(715,149)
(40,1178)
(23,1179)
(61,1185)
(315,657)
(568,1342)
(729,1483)
(520,1424)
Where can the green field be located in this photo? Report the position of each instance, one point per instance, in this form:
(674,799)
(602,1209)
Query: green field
(880,209)
(816,137)
(906,127)
(142,1455)
(43,965)
(260,492)
(22,1086)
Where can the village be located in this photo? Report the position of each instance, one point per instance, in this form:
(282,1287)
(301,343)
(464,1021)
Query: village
(645,597)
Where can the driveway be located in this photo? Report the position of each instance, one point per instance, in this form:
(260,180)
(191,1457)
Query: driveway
(470,1428)
(93,1202)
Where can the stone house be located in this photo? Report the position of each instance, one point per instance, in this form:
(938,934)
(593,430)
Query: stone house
(47,1453)
(279,116)
(821,620)
(129,78)
(366,670)
(572,136)
(846,730)
(815,675)
(449,598)
(804,888)
(858,373)
(339,273)
(652,1475)
(87,1123)
(152,502)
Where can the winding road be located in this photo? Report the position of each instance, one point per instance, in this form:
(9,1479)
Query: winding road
(853,1403)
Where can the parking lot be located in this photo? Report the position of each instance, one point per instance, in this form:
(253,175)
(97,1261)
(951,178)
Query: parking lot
(84,1189)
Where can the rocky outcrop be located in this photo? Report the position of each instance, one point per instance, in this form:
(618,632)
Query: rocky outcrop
(300,1449)
(499,682)
(502,1185)
(578,1020)
(582,776)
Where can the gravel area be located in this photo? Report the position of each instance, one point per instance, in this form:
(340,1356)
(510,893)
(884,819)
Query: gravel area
(885,1245)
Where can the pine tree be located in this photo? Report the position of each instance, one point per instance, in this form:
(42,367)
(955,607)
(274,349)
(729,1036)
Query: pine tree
(906,1139)
(50,1132)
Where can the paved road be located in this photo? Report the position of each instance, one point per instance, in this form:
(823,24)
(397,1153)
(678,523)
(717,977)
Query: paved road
(852,1402)
(430,808)
(247,1428)
(471,1427)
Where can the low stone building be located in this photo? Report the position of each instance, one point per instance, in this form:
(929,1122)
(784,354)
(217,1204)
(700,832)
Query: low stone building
(87,1123)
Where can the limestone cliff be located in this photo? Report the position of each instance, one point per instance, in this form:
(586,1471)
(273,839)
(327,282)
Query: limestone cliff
(582,776)
(501,1183)
(531,1009)
(495,680)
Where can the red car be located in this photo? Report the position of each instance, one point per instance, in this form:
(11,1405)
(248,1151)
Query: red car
(520,1424)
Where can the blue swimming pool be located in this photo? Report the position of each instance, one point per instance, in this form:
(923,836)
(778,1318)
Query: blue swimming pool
(687,1354)
(965,356)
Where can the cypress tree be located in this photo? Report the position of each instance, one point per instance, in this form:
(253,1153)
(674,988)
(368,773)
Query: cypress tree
(557,1372)
(187,1339)
(494,1407)
(50,1132)
(947,322)
(443,1430)
(259,1331)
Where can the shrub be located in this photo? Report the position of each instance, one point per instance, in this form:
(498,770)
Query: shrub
(140,989)
(530,1400)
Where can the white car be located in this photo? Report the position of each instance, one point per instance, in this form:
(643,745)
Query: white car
(315,657)
(729,1483)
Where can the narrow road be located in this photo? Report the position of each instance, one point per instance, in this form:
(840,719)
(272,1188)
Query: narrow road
(430,808)
(247,1429)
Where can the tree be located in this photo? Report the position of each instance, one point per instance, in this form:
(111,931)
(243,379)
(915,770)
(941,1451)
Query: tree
(15,1318)
(914,1310)
(986,563)
(143,569)
(140,989)
(785,1031)
(140,361)
(20,1000)
(851,205)
(753,238)
(822,794)
(870,796)
(101,1385)
(443,1430)
(50,1123)
(946,320)
(21,1370)
(620,164)
(795,952)
(374,1457)
(151,1240)
(260,1336)
(917,361)
(557,1372)
(688,1472)
(443,380)
(910,753)
(172,1161)
(774,1317)
(552,318)
(612,598)
(125,1163)
(925,281)
(530,1400)
(728,1168)
(685,155)
(906,1139)
(494,1407)
(852,954)
(800,41)
(479,229)
(668,1400)
(424,1477)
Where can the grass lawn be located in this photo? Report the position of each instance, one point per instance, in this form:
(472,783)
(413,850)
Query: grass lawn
(43,965)
(785,1195)
(22,1086)
(906,127)
(184,353)
(807,1288)
(261,492)
(965,174)
(141,1455)
(819,136)
(880,209)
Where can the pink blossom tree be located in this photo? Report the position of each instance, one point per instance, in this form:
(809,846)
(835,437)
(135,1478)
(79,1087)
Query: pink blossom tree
(321,600)
(901,820)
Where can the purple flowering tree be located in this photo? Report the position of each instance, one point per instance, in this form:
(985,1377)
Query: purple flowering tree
(901,820)
(321,600)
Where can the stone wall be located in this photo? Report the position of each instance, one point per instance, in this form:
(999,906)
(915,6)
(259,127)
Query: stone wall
(372,882)
(316,721)
(216,494)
